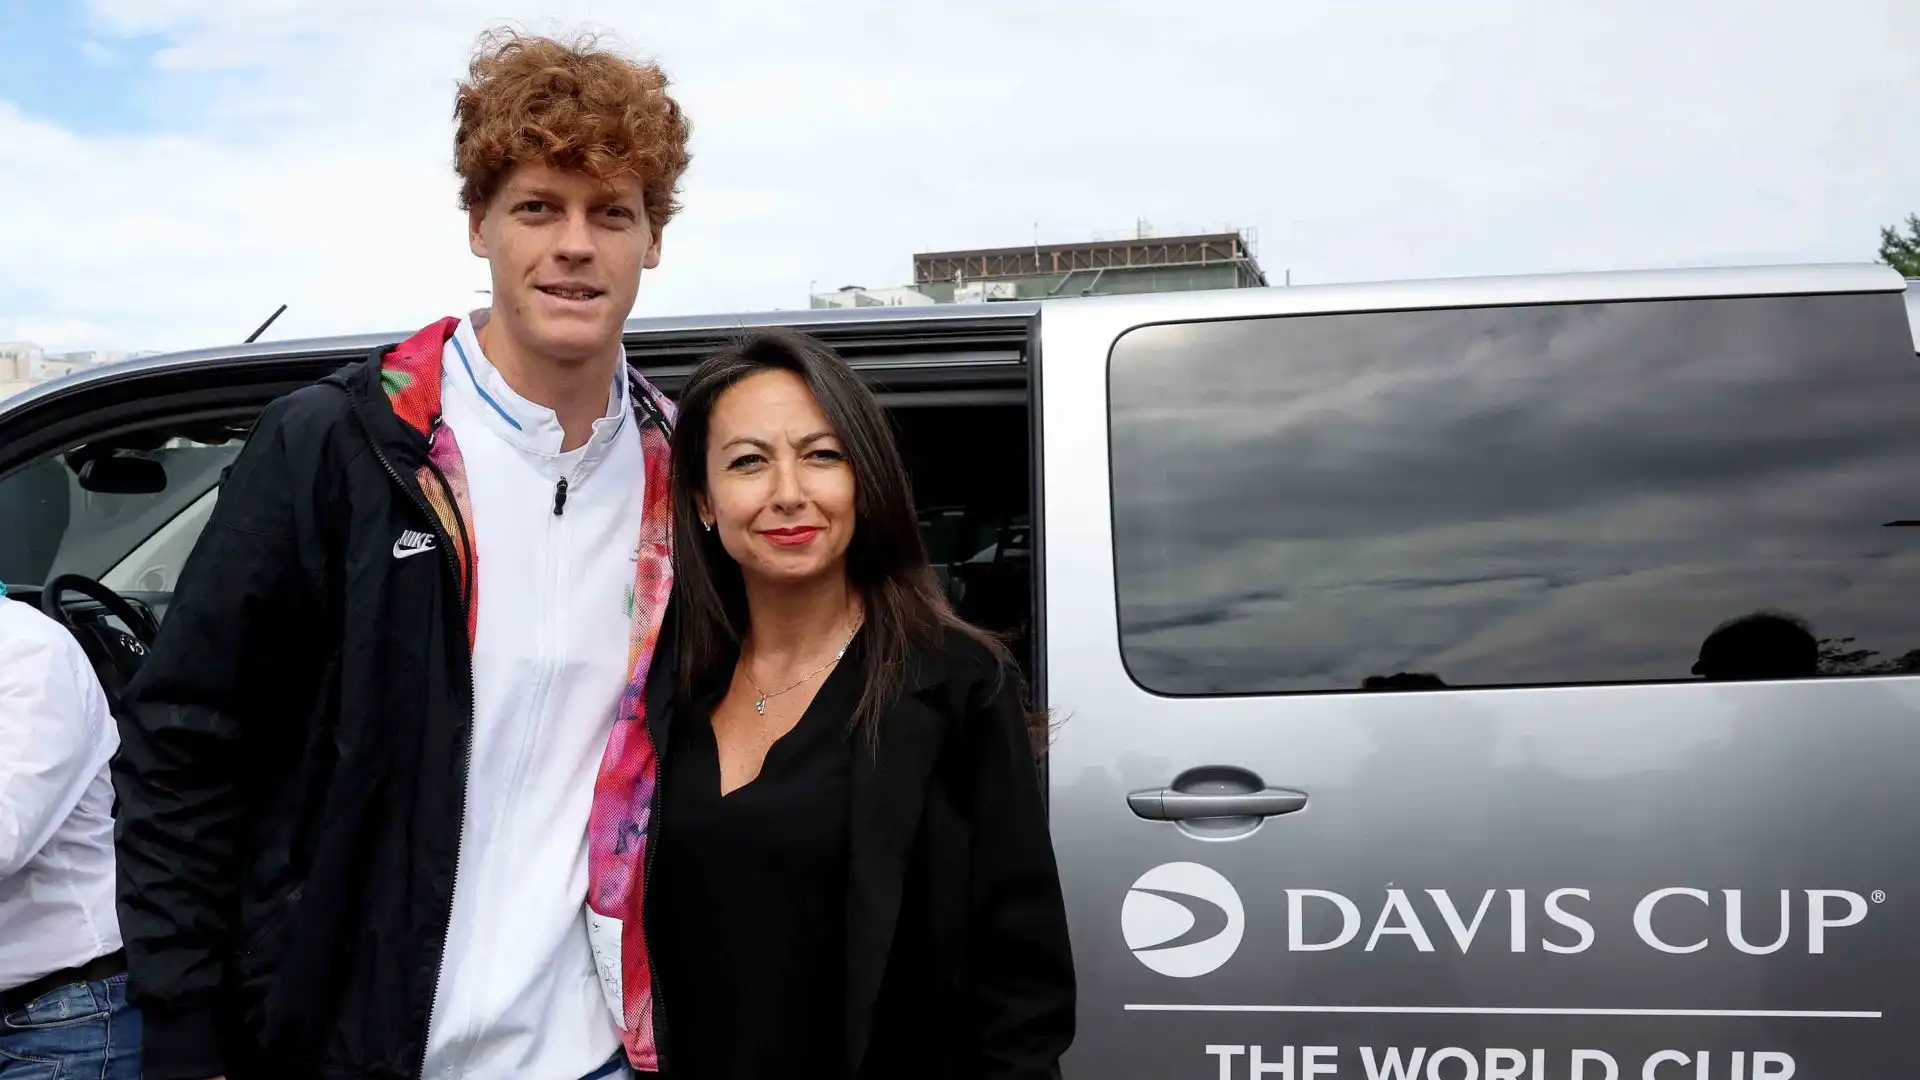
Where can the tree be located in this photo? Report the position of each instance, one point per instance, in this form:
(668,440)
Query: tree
(1902,252)
(1839,656)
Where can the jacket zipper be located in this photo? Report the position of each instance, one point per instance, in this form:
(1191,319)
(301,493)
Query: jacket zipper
(565,484)
(654,813)
(466,738)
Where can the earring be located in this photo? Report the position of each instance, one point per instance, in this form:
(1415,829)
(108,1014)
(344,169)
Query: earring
(708,524)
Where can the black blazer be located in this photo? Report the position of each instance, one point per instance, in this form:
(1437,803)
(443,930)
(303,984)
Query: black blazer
(958,963)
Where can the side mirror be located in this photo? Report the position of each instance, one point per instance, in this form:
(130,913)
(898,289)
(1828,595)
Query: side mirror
(115,474)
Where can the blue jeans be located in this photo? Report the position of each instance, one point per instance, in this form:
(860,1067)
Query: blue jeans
(615,1068)
(80,1031)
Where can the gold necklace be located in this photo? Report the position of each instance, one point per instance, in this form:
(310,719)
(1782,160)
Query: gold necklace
(760,706)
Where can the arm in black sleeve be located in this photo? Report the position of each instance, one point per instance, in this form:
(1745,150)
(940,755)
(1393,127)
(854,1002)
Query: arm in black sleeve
(241,606)
(1019,956)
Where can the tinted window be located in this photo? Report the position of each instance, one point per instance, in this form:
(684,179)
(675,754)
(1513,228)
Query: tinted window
(1512,496)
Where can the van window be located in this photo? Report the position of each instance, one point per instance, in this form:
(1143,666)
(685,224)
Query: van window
(1591,493)
(56,524)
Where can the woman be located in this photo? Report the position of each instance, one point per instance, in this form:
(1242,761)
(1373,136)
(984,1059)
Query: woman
(854,876)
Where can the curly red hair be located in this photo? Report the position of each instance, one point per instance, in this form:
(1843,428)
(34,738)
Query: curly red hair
(572,106)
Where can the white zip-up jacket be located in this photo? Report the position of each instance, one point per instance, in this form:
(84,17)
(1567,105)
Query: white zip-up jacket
(518,993)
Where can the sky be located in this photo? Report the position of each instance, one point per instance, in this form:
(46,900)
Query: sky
(173,170)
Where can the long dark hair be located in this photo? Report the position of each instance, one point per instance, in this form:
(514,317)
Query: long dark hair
(905,607)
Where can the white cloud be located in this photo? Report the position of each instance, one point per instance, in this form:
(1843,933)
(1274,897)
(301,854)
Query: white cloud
(307,157)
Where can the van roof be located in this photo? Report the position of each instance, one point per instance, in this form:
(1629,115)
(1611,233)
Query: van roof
(1528,288)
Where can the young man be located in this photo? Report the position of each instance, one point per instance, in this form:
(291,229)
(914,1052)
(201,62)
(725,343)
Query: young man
(360,764)
(63,1004)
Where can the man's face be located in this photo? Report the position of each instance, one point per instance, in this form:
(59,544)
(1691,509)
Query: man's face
(566,252)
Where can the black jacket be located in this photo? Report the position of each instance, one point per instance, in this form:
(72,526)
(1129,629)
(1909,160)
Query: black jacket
(958,963)
(957,930)
(293,768)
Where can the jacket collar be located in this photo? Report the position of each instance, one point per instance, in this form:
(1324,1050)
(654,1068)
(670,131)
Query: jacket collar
(410,375)
(533,428)
(396,393)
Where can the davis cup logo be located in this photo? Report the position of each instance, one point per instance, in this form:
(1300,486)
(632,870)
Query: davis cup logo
(1183,920)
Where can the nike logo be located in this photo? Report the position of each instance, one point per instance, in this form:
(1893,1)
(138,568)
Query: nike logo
(1210,920)
(412,542)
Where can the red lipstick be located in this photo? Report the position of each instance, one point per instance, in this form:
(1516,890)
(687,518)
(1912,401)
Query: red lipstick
(793,536)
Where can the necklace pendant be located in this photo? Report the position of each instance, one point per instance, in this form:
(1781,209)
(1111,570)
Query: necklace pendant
(761,705)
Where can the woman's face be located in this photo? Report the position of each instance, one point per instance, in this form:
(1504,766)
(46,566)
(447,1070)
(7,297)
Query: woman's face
(780,491)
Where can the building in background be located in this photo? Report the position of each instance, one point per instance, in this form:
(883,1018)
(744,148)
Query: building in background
(20,361)
(851,296)
(1140,264)
(58,364)
(1136,264)
(23,364)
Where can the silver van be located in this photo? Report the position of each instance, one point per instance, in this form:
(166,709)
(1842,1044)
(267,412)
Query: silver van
(1501,679)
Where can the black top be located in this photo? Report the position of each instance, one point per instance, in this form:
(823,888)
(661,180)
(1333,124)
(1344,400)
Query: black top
(752,898)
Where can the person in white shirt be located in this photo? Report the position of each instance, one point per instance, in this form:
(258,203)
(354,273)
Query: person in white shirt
(386,763)
(63,1003)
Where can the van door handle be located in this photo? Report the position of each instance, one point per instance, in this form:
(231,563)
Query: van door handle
(1166,804)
